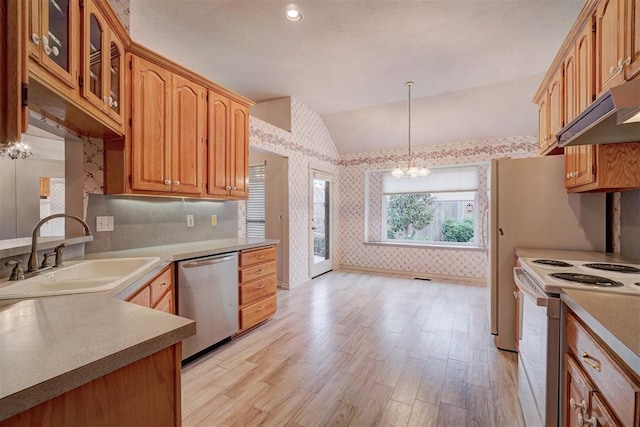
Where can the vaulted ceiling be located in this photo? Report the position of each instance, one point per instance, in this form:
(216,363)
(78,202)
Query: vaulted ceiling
(476,63)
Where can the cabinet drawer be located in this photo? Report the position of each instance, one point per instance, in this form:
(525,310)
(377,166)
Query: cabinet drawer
(256,313)
(260,270)
(165,304)
(258,256)
(161,284)
(259,289)
(618,388)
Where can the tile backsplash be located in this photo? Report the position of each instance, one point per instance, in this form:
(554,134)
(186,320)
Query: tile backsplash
(630,224)
(152,221)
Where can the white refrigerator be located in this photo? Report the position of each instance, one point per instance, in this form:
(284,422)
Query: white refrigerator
(530,208)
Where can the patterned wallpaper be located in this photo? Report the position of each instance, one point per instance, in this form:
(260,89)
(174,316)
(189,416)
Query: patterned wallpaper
(460,264)
(122,9)
(308,144)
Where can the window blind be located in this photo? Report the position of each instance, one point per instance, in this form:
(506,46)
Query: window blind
(256,212)
(462,178)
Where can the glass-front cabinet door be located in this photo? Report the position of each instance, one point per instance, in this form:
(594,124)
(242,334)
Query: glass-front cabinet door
(52,26)
(102,64)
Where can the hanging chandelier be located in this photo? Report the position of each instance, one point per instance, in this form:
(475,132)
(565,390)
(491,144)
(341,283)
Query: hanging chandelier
(410,170)
(15,151)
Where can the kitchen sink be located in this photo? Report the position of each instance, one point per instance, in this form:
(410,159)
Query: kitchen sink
(78,277)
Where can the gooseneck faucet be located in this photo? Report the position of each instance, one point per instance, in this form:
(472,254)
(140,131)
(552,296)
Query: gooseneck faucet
(33,259)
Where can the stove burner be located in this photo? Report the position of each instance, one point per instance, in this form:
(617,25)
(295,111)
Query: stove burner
(586,279)
(552,262)
(618,268)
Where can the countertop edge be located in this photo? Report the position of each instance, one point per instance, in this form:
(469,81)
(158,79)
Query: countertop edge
(37,393)
(627,355)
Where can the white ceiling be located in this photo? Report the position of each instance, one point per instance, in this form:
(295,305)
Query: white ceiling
(476,64)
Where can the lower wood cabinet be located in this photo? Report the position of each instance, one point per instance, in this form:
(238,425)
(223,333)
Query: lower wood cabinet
(257,292)
(144,393)
(158,293)
(603,167)
(600,390)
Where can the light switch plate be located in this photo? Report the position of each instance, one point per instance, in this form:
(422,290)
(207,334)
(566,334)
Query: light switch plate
(104,223)
(190,221)
(214,220)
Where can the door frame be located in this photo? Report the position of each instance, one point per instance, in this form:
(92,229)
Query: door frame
(327,265)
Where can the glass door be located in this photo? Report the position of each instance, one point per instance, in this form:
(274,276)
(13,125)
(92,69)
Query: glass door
(321,236)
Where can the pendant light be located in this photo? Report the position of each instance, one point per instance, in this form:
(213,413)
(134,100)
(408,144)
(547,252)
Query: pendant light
(15,151)
(410,170)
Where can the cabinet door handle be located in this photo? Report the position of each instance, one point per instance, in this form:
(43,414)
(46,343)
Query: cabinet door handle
(228,187)
(575,406)
(45,44)
(35,39)
(588,422)
(167,182)
(590,361)
(234,188)
(612,70)
(176,182)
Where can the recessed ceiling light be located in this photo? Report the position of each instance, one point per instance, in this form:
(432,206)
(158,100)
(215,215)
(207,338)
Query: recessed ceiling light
(292,13)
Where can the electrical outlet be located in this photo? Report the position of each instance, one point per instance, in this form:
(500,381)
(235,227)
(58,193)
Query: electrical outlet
(190,222)
(104,223)
(214,220)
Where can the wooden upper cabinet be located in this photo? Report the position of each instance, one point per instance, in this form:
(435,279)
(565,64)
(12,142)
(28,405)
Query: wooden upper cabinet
(150,122)
(187,142)
(218,167)
(228,154)
(609,44)
(633,39)
(551,114)
(53,27)
(102,64)
(584,88)
(239,150)
(579,159)
(556,114)
(543,124)
(167,130)
(570,87)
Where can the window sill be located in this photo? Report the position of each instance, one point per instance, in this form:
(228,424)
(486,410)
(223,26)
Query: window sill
(427,246)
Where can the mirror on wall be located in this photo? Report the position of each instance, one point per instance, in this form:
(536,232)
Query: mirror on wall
(33,188)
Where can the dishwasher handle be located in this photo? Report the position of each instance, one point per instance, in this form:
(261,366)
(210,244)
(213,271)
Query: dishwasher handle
(209,261)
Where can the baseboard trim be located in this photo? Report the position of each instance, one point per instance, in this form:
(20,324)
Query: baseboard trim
(474,281)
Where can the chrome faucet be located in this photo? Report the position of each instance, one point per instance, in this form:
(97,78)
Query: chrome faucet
(33,259)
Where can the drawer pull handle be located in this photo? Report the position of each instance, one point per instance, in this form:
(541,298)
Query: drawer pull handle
(261,286)
(575,406)
(261,270)
(261,308)
(590,361)
(260,256)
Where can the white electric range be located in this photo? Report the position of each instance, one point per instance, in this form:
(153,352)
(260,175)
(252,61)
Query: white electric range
(538,285)
(551,275)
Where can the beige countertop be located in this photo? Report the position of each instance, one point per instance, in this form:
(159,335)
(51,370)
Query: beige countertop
(615,318)
(51,345)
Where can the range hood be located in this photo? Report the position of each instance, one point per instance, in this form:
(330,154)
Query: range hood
(613,117)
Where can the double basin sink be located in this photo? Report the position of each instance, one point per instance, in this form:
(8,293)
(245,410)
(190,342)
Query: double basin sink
(78,277)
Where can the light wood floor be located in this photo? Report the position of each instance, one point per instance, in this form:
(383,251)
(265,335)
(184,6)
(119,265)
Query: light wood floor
(357,349)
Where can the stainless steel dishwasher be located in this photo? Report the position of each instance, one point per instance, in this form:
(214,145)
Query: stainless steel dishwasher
(208,294)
